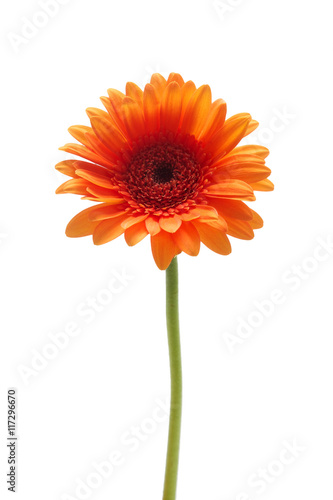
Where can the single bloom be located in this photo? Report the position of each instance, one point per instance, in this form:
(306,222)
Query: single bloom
(163,162)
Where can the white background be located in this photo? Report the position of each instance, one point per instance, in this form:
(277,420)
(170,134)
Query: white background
(241,405)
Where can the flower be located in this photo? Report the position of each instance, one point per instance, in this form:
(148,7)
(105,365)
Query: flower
(163,162)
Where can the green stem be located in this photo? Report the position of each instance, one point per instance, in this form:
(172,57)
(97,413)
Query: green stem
(172,316)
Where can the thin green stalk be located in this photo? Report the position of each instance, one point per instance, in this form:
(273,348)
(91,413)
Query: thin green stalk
(172,316)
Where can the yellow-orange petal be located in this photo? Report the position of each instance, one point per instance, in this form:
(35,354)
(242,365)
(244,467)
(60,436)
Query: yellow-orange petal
(252,149)
(264,185)
(152,225)
(163,248)
(134,91)
(81,225)
(74,186)
(213,238)
(135,234)
(231,188)
(215,120)
(171,106)
(239,229)
(170,224)
(151,108)
(108,230)
(133,118)
(197,111)
(187,239)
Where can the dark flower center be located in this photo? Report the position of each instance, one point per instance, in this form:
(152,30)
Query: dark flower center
(163,175)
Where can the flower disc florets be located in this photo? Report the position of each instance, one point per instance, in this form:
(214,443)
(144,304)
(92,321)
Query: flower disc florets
(163,175)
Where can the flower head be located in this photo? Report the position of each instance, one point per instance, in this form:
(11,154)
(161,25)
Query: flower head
(163,162)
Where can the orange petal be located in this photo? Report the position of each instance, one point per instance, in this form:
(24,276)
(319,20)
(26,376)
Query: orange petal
(91,167)
(94,178)
(133,91)
(256,222)
(105,211)
(79,133)
(135,234)
(240,229)
(265,185)
(163,248)
(213,238)
(187,239)
(151,108)
(159,82)
(97,112)
(252,150)
(108,230)
(133,119)
(188,90)
(109,134)
(170,224)
(74,186)
(231,188)
(215,120)
(152,226)
(82,151)
(66,167)
(228,136)
(176,77)
(81,225)
(197,111)
(233,157)
(247,172)
(251,127)
(205,212)
(114,108)
(232,208)
(132,220)
(171,106)
(106,195)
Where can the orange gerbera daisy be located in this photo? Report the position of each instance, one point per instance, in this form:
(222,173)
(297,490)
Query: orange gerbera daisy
(163,162)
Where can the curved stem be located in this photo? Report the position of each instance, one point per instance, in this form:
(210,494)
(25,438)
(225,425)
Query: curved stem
(172,316)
